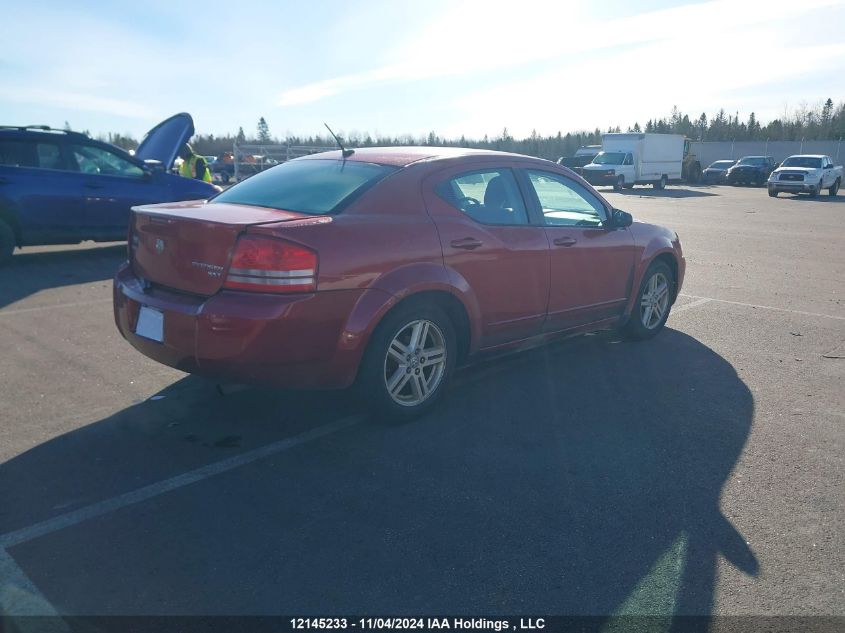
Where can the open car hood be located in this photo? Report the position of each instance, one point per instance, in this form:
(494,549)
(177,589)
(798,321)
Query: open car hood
(163,142)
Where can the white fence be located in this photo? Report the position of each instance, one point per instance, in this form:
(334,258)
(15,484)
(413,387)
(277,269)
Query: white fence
(250,159)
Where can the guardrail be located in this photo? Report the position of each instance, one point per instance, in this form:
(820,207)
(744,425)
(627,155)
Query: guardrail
(249,159)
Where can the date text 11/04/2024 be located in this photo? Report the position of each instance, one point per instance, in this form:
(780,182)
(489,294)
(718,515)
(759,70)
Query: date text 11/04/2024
(424,624)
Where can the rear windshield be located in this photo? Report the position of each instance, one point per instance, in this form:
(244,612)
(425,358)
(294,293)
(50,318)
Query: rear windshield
(722,164)
(312,186)
(753,160)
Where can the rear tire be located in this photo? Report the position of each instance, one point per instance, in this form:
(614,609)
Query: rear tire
(834,189)
(660,184)
(653,303)
(399,382)
(7,243)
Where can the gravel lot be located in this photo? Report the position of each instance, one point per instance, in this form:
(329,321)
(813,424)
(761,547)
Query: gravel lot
(698,473)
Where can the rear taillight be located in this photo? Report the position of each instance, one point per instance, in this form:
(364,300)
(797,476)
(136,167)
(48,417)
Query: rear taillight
(264,264)
(131,239)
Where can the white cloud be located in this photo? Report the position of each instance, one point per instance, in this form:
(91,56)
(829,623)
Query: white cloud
(624,89)
(486,37)
(78,101)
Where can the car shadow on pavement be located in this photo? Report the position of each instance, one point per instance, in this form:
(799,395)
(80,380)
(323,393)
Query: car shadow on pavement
(579,478)
(32,271)
(822,199)
(671,192)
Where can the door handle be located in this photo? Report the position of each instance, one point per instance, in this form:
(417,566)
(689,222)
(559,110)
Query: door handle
(467,243)
(564,241)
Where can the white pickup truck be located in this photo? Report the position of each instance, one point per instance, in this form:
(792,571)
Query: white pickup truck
(807,173)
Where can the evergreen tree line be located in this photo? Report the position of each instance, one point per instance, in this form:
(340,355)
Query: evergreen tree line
(825,122)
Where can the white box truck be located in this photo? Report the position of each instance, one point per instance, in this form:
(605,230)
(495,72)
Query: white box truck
(637,159)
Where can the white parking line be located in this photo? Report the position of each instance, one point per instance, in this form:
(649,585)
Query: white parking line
(20,597)
(72,304)
(691,304)
(755,305)
(94,510)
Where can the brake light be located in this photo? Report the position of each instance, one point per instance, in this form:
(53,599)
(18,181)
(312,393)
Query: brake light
(264,264)
(131,241)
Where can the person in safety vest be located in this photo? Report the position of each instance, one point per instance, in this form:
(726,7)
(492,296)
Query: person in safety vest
(193,165)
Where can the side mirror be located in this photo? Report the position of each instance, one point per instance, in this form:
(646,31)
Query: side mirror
(620,219)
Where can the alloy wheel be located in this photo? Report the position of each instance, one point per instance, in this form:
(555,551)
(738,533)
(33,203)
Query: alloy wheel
(415,363)
(655,301)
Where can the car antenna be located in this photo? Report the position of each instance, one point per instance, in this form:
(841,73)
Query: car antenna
(346,153)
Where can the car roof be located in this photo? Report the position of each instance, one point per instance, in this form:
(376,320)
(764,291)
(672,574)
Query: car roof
(39,131)
(808,156)
(404,156)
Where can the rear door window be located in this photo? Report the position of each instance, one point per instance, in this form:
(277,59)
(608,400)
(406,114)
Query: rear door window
(49,156)
(16,153)
(489,196)
(314,186)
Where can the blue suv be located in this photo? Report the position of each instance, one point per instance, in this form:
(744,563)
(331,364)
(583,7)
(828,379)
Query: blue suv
(59,187)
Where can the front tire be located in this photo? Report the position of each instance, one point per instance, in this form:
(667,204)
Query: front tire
(7,243)
(817,190)
(408,362)
(834,189)
(654,301)
(660,184)
(773,193)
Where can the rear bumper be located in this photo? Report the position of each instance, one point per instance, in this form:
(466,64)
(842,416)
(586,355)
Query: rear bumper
(296,341)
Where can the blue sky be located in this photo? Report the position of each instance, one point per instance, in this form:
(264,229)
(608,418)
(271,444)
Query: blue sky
(397,67)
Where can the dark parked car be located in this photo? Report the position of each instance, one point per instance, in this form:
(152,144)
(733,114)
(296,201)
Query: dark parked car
(59,187)
(583,156)
(750,170)
(223,168)
(386,269)
(716,172)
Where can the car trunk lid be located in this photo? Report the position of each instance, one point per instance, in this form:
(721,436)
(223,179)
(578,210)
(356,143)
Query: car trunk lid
(187,246)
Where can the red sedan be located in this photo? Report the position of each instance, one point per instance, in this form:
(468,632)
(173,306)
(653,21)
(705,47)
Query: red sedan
(386,268)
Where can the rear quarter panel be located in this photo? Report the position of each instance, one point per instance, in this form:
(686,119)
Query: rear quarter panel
(385,243)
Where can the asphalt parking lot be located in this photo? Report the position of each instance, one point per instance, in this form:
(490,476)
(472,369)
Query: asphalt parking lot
(701,472)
